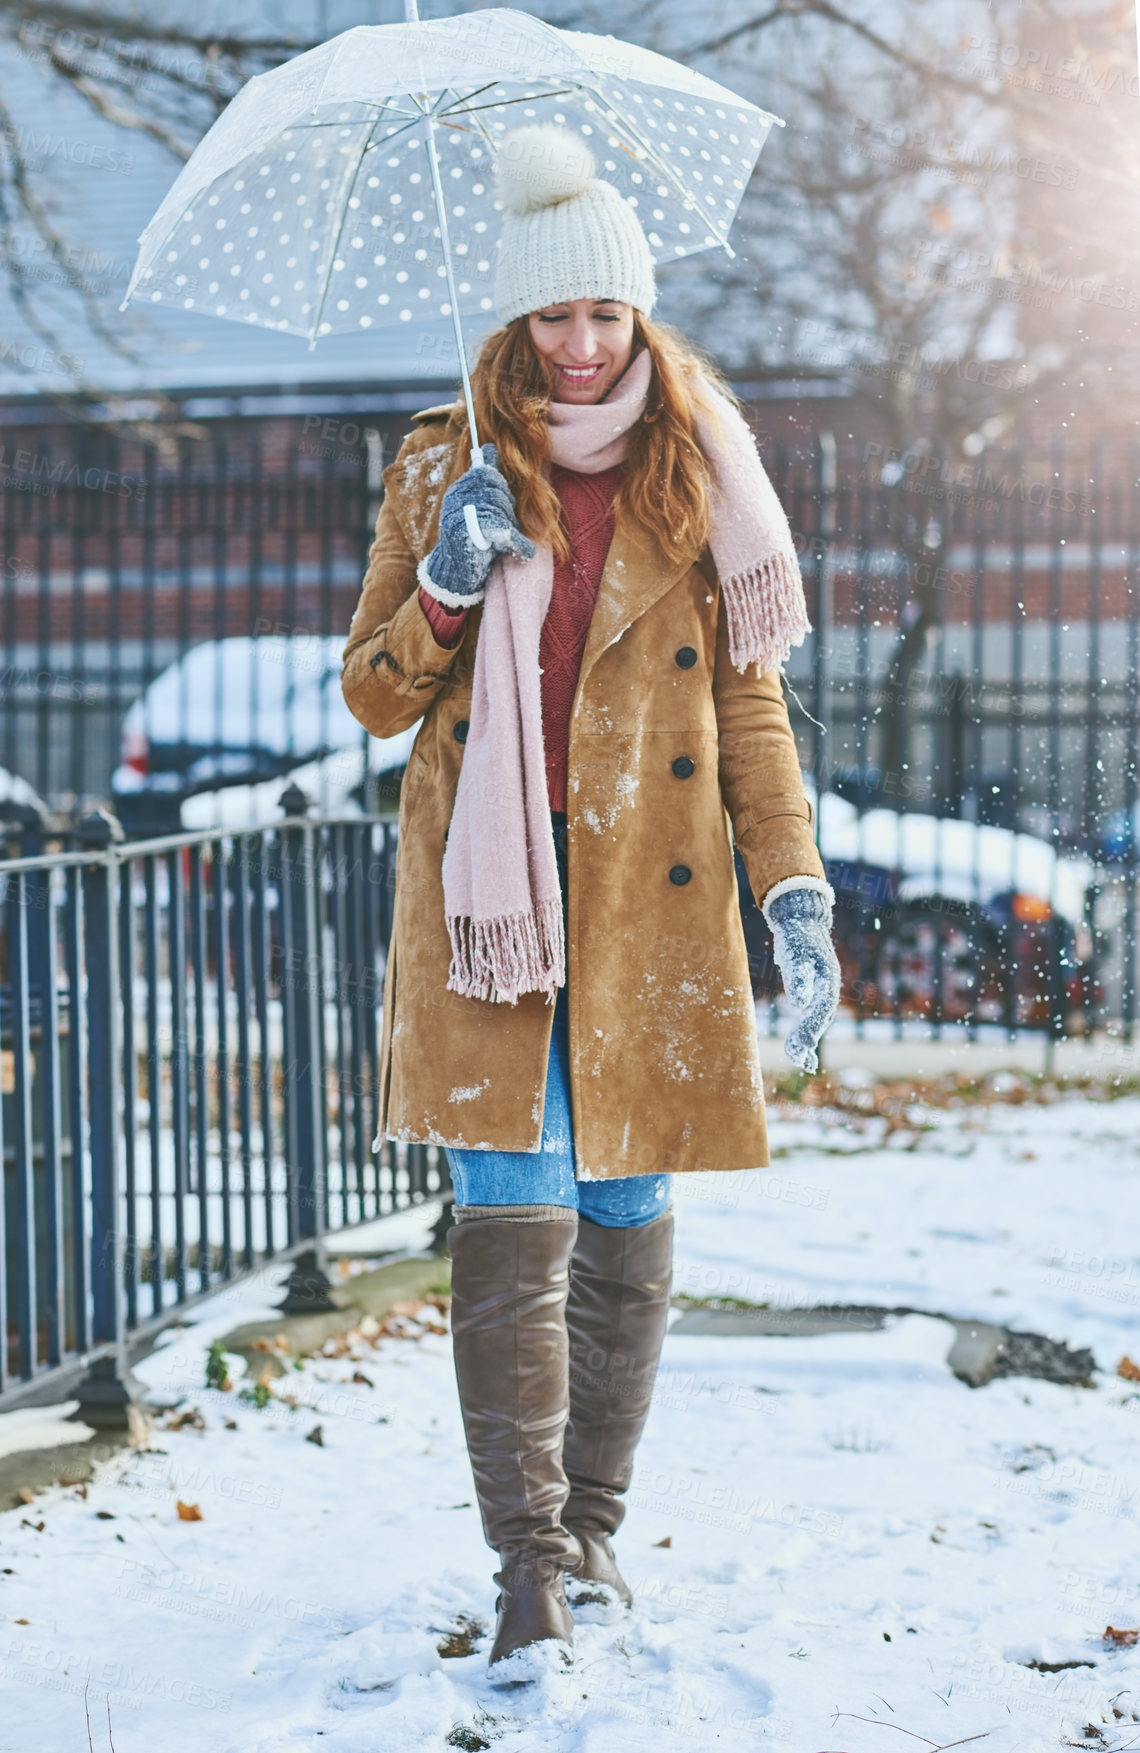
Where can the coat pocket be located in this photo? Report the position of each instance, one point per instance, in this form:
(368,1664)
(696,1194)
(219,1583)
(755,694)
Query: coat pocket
(412,783)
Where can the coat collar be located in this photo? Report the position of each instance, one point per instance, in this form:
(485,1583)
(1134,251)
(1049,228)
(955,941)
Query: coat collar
(637,573)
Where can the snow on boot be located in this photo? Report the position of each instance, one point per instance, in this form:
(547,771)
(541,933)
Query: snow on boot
(531,1607)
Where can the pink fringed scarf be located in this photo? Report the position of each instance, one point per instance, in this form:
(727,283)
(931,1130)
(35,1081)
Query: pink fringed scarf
(500,877)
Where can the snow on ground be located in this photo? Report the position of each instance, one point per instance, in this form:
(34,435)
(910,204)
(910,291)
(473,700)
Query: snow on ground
(817,1526)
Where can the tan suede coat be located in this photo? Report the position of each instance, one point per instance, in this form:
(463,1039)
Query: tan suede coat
(664,1067)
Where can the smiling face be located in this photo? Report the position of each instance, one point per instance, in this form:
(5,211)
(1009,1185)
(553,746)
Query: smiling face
(587,344)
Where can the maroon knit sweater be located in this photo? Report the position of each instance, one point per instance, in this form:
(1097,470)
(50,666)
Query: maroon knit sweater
(588,519)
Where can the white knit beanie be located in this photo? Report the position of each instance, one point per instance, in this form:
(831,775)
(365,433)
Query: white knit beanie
(566,233)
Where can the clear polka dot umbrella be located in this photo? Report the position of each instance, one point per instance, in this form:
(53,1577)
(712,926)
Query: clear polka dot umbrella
(353,186)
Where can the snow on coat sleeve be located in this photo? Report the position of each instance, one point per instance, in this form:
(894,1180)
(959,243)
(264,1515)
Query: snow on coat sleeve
(394,666)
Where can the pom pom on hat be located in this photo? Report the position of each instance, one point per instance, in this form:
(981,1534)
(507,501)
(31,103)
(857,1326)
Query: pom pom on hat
(567,233)
(539,166)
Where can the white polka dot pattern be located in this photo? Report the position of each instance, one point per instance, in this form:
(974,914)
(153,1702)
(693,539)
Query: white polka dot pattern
(315,212)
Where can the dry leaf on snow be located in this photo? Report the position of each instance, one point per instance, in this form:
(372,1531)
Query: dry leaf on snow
(190,1419)
(189,1512)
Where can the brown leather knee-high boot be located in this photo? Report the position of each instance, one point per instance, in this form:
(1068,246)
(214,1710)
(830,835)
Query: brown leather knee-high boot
(616,1318)
(509,1283)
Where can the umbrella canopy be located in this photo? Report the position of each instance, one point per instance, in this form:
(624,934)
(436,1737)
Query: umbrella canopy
(314,203)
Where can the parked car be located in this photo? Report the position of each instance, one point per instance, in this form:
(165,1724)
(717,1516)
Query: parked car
(21,806)
(941,918)
(231,713)
(1120,836)
(356,781)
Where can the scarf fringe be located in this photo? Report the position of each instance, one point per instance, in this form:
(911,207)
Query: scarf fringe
(767,613)
(500,959)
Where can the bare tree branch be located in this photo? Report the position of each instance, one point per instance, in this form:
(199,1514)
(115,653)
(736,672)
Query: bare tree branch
(36,213)
(123,118)
(112,27)
(824,9)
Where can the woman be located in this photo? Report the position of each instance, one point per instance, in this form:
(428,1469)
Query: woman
(567,1006)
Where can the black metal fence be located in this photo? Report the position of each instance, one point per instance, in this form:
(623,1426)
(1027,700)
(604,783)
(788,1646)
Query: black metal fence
(190,1074)
(117,557)
(969,713)
(188,1025)
(973,676)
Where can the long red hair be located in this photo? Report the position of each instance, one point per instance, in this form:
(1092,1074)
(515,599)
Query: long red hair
(667,484)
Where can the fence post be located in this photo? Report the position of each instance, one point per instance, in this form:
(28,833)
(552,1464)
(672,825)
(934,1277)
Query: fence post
(308,1286)
(827,479)
(109,1396)
(823,755)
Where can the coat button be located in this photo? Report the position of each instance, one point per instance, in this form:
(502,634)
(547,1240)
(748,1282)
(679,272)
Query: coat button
(686,658)
(680,875)
(683,767)
(460,730)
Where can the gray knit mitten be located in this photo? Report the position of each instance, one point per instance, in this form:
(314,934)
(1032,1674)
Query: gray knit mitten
(455,572)
(800,920)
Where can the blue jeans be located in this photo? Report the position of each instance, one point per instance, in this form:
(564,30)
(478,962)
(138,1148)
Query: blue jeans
(546,1176)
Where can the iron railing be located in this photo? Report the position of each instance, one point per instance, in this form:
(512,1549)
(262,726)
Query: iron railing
(190,1074)
(974,666)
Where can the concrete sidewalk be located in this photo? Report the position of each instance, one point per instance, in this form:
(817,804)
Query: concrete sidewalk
(1102,1057)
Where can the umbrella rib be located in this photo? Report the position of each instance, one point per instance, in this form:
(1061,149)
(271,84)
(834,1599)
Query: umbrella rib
(478,92)
(414,114)
(472,109)
(620,121)
(481,130)
(375,145)
(315,330)
(421,111)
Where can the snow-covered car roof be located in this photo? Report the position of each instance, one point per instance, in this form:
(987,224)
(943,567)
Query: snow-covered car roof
(277,692)
(329,782)
(942,855)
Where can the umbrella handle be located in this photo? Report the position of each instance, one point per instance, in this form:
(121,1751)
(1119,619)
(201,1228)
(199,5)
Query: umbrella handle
(471,519)
(470,515)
